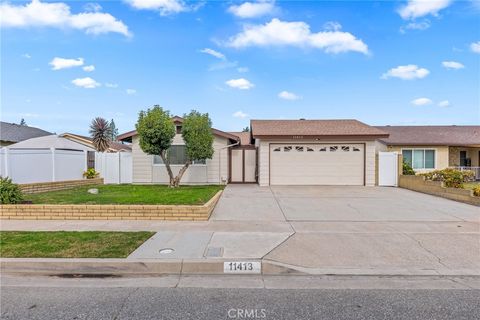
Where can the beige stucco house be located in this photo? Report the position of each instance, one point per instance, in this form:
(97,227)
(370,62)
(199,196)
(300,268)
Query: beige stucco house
(311,152)
(429,148)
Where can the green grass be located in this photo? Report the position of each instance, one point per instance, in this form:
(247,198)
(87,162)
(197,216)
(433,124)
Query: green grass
(471,185)
(128,194)
(62,244)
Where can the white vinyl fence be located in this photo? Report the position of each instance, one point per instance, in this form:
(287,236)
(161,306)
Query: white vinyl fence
(49,165)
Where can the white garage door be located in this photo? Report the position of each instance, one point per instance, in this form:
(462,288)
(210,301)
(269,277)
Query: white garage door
(317,164)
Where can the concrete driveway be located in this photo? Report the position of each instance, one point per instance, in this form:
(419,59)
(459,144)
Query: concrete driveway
(331,203)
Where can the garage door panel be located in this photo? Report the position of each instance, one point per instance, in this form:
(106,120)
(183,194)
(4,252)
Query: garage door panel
(338,164)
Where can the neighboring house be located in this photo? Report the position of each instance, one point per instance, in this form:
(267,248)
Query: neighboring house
(114,145)
(11,133)
(150,169)
(429,148)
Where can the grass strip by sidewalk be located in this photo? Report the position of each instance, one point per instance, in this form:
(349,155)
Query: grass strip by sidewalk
(128,194)
(71,244)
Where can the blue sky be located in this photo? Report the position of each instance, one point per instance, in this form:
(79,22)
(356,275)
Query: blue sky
(385,62)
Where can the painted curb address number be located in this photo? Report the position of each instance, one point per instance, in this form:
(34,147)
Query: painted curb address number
(242,267)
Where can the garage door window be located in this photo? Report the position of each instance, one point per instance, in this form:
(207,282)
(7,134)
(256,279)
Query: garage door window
(419,158)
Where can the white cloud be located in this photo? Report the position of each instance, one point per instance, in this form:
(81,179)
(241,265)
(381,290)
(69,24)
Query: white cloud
(423,25)
(89,68)
(111,85)
(421,102)
(408,72)
(131,91)
(419,8)
(475,47)
(444,104)
(92,7)
(452,65)
(87,83)
(288,95)
(240,114)
(280,33)
(242,69)
(58,15)
(214,53)
(62,63)
(26,56)
(252,9)
(164,7)
(242,84)
(332,26)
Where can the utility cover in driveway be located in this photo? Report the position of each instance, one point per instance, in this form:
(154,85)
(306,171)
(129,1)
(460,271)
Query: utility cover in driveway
(317,164)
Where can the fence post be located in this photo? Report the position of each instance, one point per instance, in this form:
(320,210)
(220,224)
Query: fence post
(85,152)
(119,168)
(52,150)
(7,155)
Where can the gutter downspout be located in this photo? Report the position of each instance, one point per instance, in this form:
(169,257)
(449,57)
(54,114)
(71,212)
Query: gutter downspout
(220,160)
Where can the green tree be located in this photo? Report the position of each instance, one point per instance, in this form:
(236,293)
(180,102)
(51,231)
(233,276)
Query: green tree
(100,133)
(156,131)
(246,129)
(23,122)
(114,130)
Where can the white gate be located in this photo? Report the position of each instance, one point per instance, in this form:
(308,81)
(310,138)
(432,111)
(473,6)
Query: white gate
(388,169)
(114,167)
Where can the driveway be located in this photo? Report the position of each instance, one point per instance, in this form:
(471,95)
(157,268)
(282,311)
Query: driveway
(331,203)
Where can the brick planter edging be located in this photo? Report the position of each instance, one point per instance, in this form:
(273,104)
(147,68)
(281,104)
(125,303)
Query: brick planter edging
(57,185)
(436,188)
(109,212)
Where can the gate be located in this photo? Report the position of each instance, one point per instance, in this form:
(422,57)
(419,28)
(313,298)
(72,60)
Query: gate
(388,169)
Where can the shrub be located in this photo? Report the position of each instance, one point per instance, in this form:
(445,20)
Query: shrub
(476,191)
(91,174)
(452,178)
(10,192)
(407,169)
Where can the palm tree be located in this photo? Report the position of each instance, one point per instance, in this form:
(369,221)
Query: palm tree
(101,134)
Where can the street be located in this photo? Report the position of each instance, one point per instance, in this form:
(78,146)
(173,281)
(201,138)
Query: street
(287,297)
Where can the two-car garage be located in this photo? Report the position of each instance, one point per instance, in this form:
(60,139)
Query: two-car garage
(317,164)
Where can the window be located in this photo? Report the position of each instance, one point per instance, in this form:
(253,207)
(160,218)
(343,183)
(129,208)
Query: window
(176,155)
(277,149)
(299,148)
(309,149)
(463,159)
(333,148)
(419,158)
(287,149)
(323,149)
(356,149)
(345,148)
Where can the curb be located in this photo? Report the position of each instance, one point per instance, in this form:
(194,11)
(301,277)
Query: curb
(54,266)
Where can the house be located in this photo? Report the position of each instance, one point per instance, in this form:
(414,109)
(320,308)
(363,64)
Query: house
(87,141)
(11,133)
(428,148)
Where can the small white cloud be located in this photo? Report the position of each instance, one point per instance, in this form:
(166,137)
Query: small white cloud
(214,53)
(242,84)
(408,72)
(444,104)
(164,7)
(89,68)
(58,15)
(288,95)
(421,102)
(253,9)
(111,85)
(131,91)
(240,114)
(419,8)
(92,7)
(423,25)
(26,56)
(332,26)
(452,65)
(62,63)
(242,69)
(87,83)
(475,47)
(297,34)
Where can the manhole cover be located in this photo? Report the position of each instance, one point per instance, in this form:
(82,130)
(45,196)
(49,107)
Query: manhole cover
(166,251)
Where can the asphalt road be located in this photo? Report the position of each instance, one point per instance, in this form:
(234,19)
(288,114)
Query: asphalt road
(199,303)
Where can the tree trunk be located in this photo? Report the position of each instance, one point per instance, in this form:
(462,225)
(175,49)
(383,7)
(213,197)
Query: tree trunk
(169,170)
(180,174)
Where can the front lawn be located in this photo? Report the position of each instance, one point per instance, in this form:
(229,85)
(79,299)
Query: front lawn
(62,244)
(128,194)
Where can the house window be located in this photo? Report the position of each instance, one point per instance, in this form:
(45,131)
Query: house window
(463,159)
(176,155)
(419,158)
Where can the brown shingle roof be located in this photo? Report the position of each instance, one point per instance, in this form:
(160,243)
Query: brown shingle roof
(432,135)
(313,128)
(245,137)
